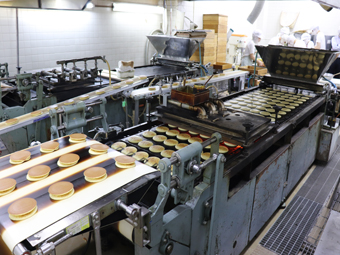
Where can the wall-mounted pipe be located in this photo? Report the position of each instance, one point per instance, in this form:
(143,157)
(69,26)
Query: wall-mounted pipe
(256,11)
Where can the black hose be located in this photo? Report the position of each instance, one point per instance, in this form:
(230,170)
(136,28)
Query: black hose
(88,243)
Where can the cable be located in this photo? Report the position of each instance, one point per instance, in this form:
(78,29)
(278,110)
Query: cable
(204,70)
(87,243)
(152,81)
(108,65)
(336,88)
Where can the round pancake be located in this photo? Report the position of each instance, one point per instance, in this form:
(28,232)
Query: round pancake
(77,138)
(222,149)
(95,174)
(172,126)
(183,137)
(156,148)
(204,136)
(7,185)
(135,139)
(149,134)
(55,106)
(145,144)
(19,157)
(140,155)
(195,139)
(69,102)
(61,190)
(125,161)
(172,132)
(161,129)
(36,113)
(181,146)
(171,142)
(231,145)
(38,173)
(129,150)
(159,138)
(167,153)
(98,149)
(152,161)
(12,121)
(100,92)
(205,155)
(22,209)
(49,147)
(68,160)
(118,146)
(84,97)
(192,133)
(265,113)
(182,129)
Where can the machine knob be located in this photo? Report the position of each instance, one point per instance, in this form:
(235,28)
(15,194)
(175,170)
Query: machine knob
(248,125)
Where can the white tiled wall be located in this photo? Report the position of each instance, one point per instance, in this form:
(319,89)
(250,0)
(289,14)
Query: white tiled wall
(46,36)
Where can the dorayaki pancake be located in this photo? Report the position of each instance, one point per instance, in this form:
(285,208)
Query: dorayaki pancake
(172,133)
(19,157)
(36,113)
(170,142)
(7,185)
(68,160)
(95,174)
(125,162)
(175,84)
(11,122)
(61,190)
(167,153)
(145,144)
(152,88)
(98,149)
(172,126)
(100,92)
(152,161)
(182,129)
(55,107)
(84,97)
(149,134)
(156,148)
(49,147)
(130,150)
(135,139)
(231,145)
(22,209)
(161,129)
(222,149)
(38,173)
(159,138)
(183,137)
(205,155)
(263,113)
(270,110)
(77,138)
(204,136)
(118,146)
(242,103)
(181,146)
(274,116)
(192,133)
(286,110)
(282,113)
(254,111)
(69,102)
(195,139)
(141,155)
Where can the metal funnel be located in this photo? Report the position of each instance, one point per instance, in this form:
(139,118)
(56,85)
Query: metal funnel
(175,48)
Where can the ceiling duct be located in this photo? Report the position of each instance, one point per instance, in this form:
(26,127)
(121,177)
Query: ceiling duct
(256,11)
(45,4)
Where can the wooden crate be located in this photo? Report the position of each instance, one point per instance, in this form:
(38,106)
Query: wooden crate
(222,65)
(259,70)
(217,28)
(210,34)
(217,22)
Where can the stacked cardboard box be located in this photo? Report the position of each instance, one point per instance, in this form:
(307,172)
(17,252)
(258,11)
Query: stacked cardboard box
(219,23)
(208,49)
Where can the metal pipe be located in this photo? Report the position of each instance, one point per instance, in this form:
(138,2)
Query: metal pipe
(209,141)
(175,103)
(17,31)
(99,117)
(256,11)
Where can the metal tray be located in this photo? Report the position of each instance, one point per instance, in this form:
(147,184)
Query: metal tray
(190,96)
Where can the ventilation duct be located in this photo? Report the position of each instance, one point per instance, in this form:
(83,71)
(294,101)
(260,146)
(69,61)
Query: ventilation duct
(45,4)
(256,11)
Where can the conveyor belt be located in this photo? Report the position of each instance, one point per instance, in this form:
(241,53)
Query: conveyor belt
(50,212)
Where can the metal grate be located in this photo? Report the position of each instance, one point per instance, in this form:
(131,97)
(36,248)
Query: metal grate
(289,231)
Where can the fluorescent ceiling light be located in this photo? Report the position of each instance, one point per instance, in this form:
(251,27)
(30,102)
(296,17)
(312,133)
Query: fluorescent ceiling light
(89,5)
(140,8)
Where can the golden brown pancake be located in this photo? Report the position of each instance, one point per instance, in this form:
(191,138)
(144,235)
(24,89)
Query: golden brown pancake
(77,138)
(19,157)
(182,129)
(140,155)
(69,102)
(95,174)
(61,190)
(145,144)
(38,173)
(167,153)
(170,142)
(129,150)
(156,148)
(183,137)
(159,138)
(195,139)
(22,209)
(231,145)
(11,122)
(205,155)
(125,162)
(135,139)
(152,161)
(149,134)
(98,149)
(172,126)
(7,185)
(181,146)
(49,147)
(161,129)
(192,133)
(118,146)
(36,113)
(84,97)
(68,160)
(172,133)
(204,136)
(223,149)
(100,92)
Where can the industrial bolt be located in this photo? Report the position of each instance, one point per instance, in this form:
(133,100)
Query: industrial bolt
(223,159)
(96,217)
(206,204)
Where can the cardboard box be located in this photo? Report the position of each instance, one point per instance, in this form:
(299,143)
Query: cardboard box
(259,70)
(217,28)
